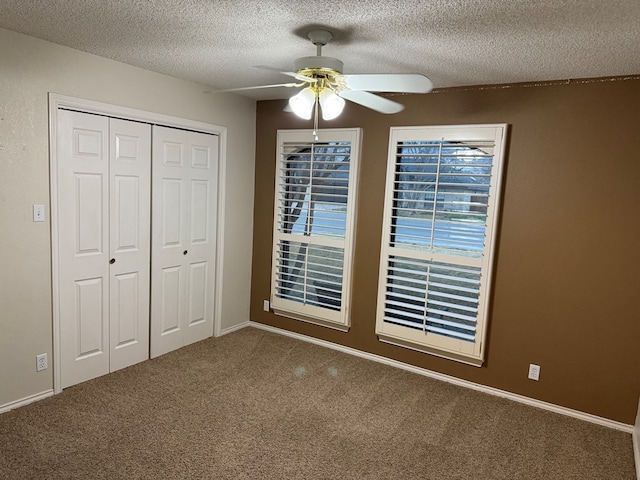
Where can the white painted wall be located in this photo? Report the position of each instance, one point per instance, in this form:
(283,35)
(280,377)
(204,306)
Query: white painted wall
(29,70)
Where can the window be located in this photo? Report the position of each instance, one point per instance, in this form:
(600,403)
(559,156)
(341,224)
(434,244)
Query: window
(440,217)
(314,225)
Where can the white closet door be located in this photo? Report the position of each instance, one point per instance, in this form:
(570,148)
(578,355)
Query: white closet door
(130,232)
(103,244)
(183,237)
(83,253)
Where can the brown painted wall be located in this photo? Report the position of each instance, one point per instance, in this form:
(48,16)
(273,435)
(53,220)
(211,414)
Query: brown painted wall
(567,278)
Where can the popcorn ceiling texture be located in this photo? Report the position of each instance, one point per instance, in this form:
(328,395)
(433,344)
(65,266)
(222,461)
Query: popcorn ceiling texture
(454,42)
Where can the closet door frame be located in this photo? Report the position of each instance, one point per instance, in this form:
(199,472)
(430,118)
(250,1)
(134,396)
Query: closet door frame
(62,102)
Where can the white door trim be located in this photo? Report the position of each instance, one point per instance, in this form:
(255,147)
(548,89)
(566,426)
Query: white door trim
(57,102)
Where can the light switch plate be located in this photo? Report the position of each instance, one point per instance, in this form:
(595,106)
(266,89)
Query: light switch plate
(38,213)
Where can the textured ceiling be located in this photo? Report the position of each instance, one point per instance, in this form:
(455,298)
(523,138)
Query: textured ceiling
(453,42)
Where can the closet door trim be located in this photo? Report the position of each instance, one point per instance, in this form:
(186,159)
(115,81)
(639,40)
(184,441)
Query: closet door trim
(62,102)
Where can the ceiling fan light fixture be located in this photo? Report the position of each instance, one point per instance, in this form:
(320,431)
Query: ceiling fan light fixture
(327,88)
(331,104)
(303,102)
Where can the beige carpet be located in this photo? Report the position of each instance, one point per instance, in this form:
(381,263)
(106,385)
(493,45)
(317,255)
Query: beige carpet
(254,405)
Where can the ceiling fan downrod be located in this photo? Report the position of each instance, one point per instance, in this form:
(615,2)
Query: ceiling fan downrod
(319,38)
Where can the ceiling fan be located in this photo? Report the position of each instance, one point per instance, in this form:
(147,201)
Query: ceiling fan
(323,84)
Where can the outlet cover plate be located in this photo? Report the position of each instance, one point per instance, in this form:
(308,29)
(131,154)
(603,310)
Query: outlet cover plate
(41,362)
(534,372)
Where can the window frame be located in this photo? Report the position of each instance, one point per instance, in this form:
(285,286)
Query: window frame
(337,319)
(419,339)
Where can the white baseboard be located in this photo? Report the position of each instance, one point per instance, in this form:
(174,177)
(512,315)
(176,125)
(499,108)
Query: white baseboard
(454,380)
(25,401)
(234,328)
(636,449)
(636,442)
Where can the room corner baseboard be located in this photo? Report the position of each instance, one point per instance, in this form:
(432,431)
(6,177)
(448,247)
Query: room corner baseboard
(636,449)
(456,381)
(234,328)
(636,442)
(25,401)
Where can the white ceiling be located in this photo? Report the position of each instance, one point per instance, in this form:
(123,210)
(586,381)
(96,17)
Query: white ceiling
(453,42)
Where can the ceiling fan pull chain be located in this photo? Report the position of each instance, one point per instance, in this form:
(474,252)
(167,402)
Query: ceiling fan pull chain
(316,107)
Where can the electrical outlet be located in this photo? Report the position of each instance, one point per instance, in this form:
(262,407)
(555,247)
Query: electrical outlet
(41,362)
(265,305)
(534,372)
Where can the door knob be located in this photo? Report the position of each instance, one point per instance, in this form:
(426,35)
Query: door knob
(185,252)
(112,261)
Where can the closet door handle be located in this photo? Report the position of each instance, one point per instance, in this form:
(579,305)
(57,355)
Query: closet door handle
(112,261)
(185,252)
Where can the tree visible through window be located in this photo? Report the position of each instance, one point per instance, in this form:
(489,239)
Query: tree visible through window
(315,193)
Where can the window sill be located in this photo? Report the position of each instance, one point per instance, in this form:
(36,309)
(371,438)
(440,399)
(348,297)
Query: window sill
(469,360)
(316,321)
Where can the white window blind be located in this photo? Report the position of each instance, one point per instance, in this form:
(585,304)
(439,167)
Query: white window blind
(441,204)
(313,225)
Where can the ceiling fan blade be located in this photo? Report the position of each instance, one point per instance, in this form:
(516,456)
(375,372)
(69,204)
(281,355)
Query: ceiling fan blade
(388,82)
(295,75)
(239,89)
(374,102)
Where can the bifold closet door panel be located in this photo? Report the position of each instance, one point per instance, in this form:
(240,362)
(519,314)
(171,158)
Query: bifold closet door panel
(184,185)
(103,209)
(130,239)
(83,245)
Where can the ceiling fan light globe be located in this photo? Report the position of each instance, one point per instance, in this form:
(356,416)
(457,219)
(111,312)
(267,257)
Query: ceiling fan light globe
(331,104)
(302,103)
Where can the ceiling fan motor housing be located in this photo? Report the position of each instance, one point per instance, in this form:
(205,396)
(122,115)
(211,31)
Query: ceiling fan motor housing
(318,63)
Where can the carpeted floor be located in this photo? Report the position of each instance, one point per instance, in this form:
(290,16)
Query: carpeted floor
(254,405)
